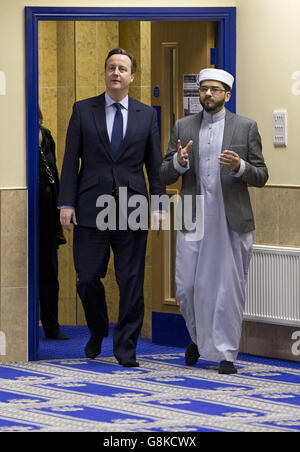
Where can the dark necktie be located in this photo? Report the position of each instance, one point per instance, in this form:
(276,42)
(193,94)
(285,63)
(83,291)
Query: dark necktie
(117,130)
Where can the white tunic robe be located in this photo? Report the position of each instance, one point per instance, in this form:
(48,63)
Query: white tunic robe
(211,273)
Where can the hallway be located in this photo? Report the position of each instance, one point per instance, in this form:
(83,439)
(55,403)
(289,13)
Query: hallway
(66,392)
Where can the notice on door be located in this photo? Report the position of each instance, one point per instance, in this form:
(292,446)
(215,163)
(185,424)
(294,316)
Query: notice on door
(191,103)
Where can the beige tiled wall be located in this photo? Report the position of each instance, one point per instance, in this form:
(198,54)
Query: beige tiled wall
(13,279)
(277,215)
(56,97)
(135,37)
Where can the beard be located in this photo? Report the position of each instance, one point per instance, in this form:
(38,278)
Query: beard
(213,106)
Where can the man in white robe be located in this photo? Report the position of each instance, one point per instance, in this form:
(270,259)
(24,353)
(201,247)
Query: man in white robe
(217,154)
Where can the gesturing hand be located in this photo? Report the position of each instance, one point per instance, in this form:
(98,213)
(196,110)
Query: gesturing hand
(182,153)
(230,159)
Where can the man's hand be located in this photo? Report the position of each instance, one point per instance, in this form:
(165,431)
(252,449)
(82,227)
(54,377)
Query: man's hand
(67,215)
(230,159)
(40,137)
(182,153)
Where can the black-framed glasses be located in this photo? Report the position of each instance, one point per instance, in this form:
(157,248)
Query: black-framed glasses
(213,89)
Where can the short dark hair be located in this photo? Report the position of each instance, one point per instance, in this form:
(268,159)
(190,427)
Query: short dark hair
(119,51)
(226,87)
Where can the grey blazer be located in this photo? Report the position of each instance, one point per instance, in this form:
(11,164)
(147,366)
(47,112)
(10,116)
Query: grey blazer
(241,136)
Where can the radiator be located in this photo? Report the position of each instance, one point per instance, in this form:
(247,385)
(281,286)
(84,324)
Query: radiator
(273,285)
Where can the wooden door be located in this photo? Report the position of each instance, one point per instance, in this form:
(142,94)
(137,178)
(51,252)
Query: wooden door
(177,48)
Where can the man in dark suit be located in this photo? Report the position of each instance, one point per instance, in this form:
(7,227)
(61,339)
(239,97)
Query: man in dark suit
(109,139)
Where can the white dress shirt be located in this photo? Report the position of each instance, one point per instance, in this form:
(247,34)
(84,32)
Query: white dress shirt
(110,112)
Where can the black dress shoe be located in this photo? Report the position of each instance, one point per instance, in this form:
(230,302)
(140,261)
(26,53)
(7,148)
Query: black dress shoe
(131,364)
(56,334)
(191,354)
(93,348)
(227,368)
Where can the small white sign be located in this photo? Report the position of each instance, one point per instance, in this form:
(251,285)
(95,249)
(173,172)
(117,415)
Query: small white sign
(2,84)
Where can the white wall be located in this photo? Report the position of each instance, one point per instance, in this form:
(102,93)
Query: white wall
(268,57)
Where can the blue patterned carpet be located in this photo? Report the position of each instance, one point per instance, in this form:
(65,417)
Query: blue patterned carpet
(65,392)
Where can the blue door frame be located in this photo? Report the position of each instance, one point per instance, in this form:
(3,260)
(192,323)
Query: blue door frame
(226,59)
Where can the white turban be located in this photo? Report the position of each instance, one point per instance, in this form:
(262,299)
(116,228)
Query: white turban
(215,74)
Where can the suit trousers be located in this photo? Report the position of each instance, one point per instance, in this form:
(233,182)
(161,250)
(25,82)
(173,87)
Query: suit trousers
(91,256)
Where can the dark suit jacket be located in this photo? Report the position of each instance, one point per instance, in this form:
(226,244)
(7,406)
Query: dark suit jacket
(89,170)
(241,136)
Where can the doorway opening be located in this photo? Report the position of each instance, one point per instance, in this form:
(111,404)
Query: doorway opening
(65,52)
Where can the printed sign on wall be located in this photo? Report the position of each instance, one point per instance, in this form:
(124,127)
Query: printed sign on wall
(191,104)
